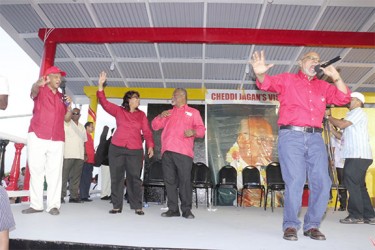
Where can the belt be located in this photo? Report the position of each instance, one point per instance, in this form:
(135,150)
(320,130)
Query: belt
(302,129)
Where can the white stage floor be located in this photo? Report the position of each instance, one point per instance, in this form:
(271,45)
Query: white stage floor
(226,228)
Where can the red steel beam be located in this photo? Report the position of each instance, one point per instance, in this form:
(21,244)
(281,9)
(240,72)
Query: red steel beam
(48,59)
(210,35)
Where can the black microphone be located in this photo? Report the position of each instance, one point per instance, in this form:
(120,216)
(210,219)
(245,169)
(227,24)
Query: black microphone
(62,87)
(318,67)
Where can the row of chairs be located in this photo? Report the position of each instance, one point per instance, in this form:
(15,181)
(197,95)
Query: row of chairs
(251,180)
(201,179)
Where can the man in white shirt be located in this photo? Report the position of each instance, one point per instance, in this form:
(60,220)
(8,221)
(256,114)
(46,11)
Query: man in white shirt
(74,152)
(358,157)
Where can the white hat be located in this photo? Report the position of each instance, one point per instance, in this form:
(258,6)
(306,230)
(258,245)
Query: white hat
(359,96)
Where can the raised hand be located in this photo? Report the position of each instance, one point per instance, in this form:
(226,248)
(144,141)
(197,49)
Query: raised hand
(258,62)
(41,81)
(102,80)
(35,88)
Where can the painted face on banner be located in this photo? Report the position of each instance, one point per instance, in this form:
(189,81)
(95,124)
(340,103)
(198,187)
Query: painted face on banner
(256,141)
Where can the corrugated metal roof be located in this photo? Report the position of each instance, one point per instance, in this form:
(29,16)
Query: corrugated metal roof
(170,65)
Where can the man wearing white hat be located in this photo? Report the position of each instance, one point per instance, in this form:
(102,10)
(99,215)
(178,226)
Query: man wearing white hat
(358,157)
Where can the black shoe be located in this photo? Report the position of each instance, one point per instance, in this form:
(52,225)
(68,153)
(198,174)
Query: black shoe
(188,215)
(139,212)
(86,200)
(351,220)
(290,234)
(72,200)
(342,209)
(370,221)
(115,211)
(106,197)
(171,213)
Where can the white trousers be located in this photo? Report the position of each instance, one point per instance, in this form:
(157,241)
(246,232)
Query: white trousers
(105,181)
(45,158)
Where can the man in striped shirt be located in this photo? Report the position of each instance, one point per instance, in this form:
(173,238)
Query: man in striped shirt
(358,157)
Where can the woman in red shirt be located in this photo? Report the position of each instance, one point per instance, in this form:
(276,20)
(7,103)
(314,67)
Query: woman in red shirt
(126,152)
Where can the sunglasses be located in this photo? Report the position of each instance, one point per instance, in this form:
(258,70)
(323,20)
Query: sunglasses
(75,113)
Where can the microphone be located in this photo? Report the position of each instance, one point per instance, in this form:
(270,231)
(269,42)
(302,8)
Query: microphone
(62,87)
(318,67)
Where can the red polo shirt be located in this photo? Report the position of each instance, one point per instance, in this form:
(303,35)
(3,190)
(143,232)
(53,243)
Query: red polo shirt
(129,126)
(48,115)
(172,137)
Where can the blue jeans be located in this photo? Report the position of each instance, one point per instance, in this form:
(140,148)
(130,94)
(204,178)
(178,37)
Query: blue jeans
(304,155)
(86,179)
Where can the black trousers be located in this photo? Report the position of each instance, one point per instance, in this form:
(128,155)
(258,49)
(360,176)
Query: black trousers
(129,160)
(177,178)
(342,192)
(359,203)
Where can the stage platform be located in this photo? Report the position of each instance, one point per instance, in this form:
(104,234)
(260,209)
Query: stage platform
(90,226)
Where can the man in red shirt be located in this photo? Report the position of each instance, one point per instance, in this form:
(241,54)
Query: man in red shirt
(181,125)
(88,165)
(45,141)
(302,153)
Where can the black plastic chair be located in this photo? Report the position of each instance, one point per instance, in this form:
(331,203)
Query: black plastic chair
(227,180)
(201,179)
(251,180)
(275,182)
(154,178)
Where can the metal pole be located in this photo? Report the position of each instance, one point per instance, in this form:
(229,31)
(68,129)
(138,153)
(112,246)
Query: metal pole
(331,158)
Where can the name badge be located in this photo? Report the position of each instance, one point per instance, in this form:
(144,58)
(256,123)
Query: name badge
(188,113)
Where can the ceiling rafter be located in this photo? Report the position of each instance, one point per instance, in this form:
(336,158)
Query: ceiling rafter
(180,62)
(211,36)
